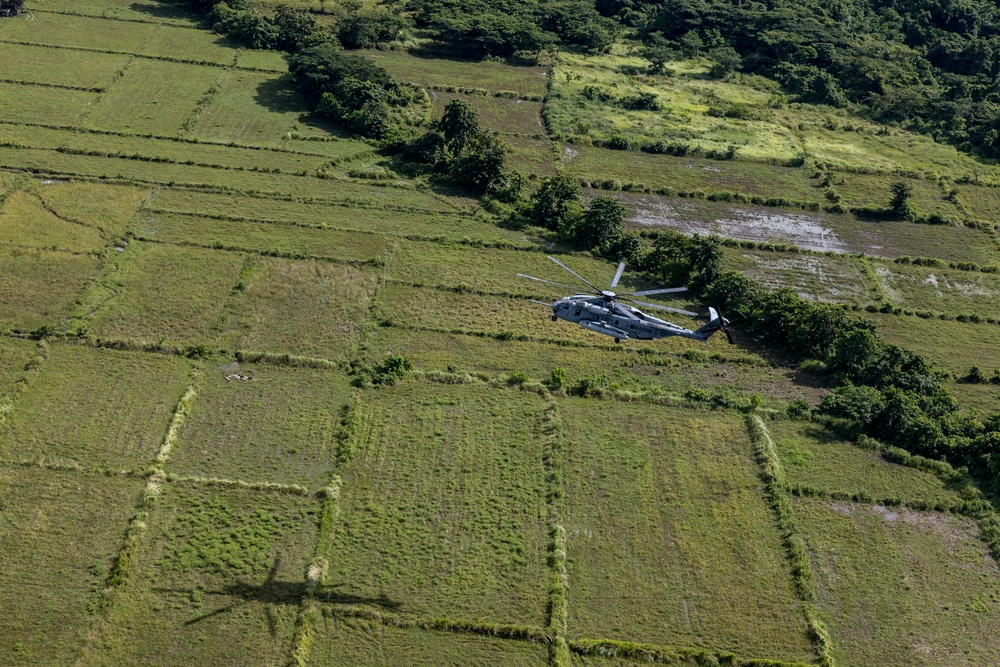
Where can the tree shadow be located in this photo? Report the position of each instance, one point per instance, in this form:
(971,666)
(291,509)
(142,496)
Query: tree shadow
(279,95)
(166,10)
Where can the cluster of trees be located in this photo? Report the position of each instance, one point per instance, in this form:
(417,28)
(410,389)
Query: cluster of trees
(349,90)
(502,28)
(883,390)
(928,64)
(557,205)
(290,29)
(462,152)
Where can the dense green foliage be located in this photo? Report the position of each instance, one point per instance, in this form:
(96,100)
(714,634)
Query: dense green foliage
(883,390)
(350,90)
(929,65)
(462,152)
(503,28)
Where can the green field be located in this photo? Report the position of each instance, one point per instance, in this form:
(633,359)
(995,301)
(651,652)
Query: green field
(305,307)
(902,587)
(221,564)
(260,237)
(59,533)
(164,292)
(95,408)
(493,77)
(356,642)
(442,506)
(206,460)
(279,426)
(814,457)
(662,508)
(40,287)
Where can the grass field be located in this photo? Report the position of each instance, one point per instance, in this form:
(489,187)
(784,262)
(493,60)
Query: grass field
(24,221)
(940,290)
(59,533)
(443,510)
(150,11)
(95,408)
(77,217)
(809,230)
(218,581)
(26,103)
(14,354)
(169,210)
(305,307)
(36,64)
(280,426)
(178,152)
(814,457)
(494,77)
(164,292)
(346,641)
(902,587)
(496,113)
(152,97)
(953,346)
(260,237)
(40,287)
(665,523)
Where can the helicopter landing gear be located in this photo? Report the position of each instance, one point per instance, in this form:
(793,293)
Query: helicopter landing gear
(618,340)
(554,318)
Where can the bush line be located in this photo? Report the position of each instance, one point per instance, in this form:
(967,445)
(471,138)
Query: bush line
(779,499)
(285,489)
(482,92)
(28,372)
(608,648)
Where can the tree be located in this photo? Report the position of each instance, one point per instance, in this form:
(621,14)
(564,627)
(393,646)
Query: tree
(705,257)
(482,165)
(460,126)
(603,222)
(726,59)
(552,204)
(365,30)
(296,27)
(855,352)
(899,206)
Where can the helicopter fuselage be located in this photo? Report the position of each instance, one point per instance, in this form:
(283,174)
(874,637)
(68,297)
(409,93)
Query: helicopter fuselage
(605,316)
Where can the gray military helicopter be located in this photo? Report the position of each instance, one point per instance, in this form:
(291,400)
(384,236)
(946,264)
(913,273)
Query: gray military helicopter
(601,312)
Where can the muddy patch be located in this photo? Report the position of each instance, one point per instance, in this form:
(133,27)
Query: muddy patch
(818,278)
(745,224)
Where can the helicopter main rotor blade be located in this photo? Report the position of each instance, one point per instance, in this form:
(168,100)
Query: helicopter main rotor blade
(618,275)
(650,292)
(667,308)
(542,280)
(581,278)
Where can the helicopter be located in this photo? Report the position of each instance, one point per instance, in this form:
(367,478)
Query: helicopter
(601,311)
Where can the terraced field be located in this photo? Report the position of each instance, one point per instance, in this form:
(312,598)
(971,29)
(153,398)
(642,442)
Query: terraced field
(192,284)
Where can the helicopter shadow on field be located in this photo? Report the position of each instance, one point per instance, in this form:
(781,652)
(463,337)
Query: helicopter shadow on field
(273,593)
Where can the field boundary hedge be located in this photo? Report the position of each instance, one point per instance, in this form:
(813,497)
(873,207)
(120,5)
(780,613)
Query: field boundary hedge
(776,491)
